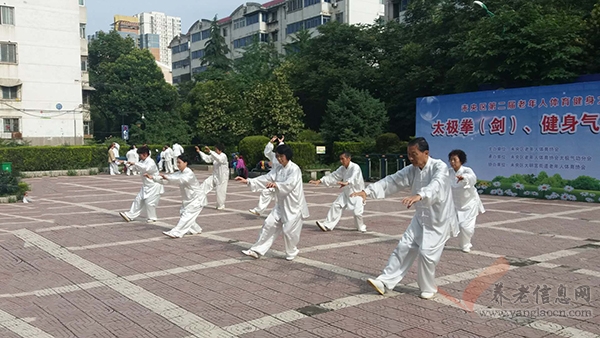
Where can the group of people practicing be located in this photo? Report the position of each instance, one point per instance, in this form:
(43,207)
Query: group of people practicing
(445,199)
(167,159)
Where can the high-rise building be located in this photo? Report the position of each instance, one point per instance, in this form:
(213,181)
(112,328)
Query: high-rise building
(166,27)
(43,71)
(275,21)
(127,26)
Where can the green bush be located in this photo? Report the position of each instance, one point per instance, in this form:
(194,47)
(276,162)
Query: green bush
(310,136)
(252,149)
(389,143)
(305,153)
(71,173)
(354,148)
(585,183)
(9,183)
(54,158)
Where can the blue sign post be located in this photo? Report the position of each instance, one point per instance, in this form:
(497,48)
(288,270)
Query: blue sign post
(525,131)
(125,132)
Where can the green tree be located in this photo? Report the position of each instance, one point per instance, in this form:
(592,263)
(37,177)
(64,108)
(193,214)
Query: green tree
(339,54)
(130,86)
(218,109)
(161,128)
(216,50)
(106,49)
(353,116)
(272,107)
(257,64)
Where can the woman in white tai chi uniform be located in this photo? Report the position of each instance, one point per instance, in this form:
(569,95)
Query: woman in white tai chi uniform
(432,225)
(220,175)
(290,210)
(466,199)
(193,195)
(266,195)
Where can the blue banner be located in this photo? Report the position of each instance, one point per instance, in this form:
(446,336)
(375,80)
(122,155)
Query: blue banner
(517,131)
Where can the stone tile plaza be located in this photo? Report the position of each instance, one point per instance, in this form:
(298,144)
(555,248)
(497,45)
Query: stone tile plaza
(71,267)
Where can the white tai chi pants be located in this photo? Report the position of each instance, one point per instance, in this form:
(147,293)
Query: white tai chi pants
(140,203)
(416,242)
(169,166)
(266,195)
(113,167)
(220,190)
(467,228)
(335,213)
(187,222)
(272,227)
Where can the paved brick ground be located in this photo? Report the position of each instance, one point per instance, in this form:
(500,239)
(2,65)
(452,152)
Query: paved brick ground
(70,267)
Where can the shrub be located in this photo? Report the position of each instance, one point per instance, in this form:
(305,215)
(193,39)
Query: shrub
(9,183)
(54,158)
(389,143)
(304,153)
(354,148)
(252,149)
(310,136)
(71,173)
(585,183)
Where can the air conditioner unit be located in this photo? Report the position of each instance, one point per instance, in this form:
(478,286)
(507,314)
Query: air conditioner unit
(334,4)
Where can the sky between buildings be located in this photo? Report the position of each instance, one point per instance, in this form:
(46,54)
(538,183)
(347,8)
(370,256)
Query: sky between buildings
(100,12)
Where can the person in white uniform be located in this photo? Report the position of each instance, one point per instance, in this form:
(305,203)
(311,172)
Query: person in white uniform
(177,150)
(266,195)
(132,157)
(193,196)
(466,199)
(220,175)
(434,222)
(115,151)
(290,210)
(148,197)
(349,177)
(168,160)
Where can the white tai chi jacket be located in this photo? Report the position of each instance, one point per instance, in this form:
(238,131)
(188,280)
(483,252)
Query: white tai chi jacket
(270,154)
(435,212)
(177,150)
(193,194)
(132,156)
(220,165)
(466,199)
(352,175)
(291,203)
(150,188)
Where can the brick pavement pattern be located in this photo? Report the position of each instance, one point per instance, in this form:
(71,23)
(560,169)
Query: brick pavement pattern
(71,267)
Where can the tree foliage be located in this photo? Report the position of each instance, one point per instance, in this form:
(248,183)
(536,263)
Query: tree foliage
(353,116)
(215,49)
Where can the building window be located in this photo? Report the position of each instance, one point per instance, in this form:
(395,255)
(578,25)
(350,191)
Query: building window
(81,2)
(84,64)
(274,37)
(294,5)
(10,93)
(196,37)
(252,19)
(198,54)
(224,32)
(7,15)
(88,128)
(205,34)
(311,2)
(82,30)
(239,23)
(11,125)
(339,17)
(8,52)
(403,5)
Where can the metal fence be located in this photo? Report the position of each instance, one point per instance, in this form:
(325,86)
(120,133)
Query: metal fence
(377,166)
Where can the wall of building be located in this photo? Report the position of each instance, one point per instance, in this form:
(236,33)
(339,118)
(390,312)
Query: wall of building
(50,45)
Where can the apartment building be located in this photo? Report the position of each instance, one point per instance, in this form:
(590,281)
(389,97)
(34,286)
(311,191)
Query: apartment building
(161,25)
(43,71)
(275,21)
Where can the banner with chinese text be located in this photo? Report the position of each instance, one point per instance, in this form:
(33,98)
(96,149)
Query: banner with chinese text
(554,129)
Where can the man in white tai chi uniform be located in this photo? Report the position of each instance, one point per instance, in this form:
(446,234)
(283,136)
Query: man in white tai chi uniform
(434,221)
(193,196)
(168,160)
(149,195)
(349,177)
(266,195)
(132,157)
(220,175)
(290,210)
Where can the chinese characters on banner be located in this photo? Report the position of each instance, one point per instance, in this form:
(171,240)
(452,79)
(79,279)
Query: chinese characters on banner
(517,131)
